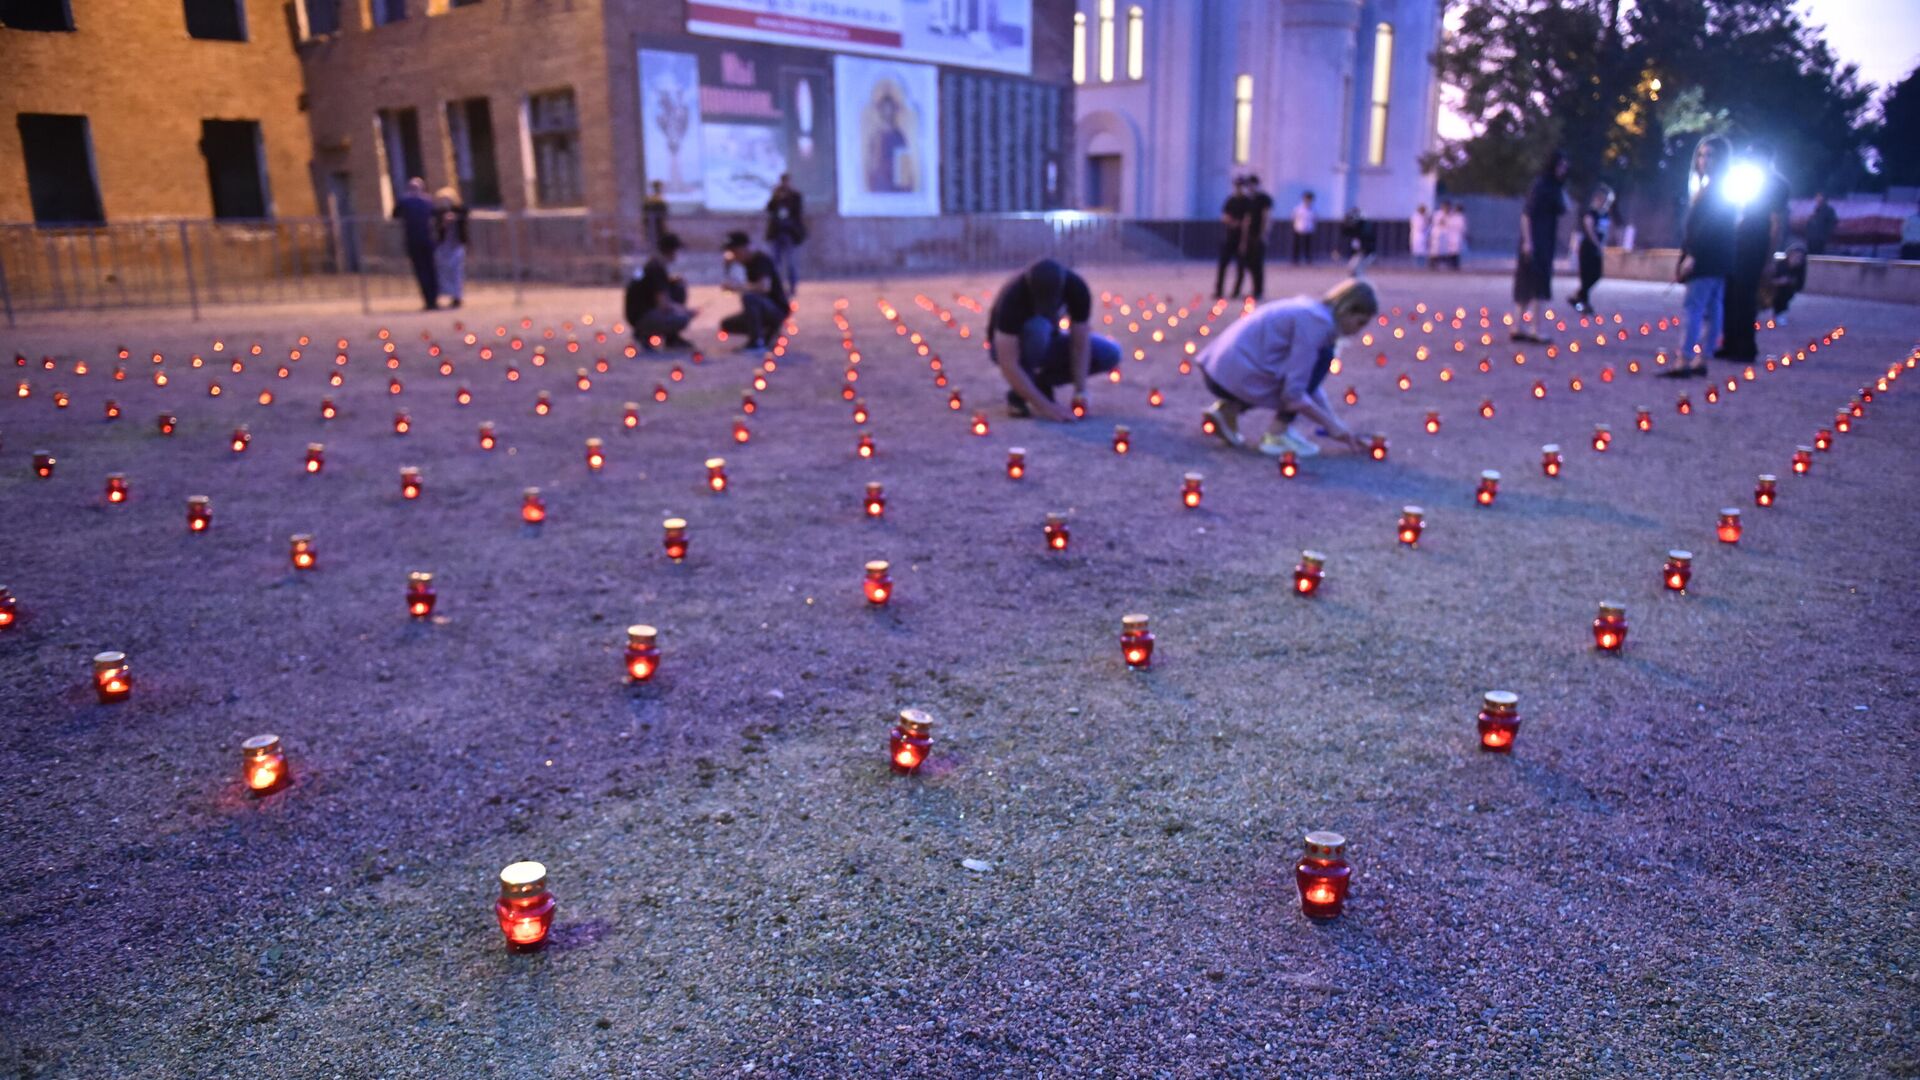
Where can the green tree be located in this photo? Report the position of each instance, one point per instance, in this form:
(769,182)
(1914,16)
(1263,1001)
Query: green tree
(1898,136)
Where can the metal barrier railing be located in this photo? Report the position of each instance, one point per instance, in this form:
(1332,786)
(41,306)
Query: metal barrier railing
(200,263)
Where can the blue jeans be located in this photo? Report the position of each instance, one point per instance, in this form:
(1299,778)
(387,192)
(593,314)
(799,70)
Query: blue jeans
(784,250)
(1706,303)
(1047,356)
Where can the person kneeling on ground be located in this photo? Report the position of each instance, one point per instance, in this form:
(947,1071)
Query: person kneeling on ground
(763,300)
(1786,278)
(1276,358)
(657,299)
(1033,353)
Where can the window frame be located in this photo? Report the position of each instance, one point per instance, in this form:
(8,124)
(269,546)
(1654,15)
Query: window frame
(1079,48)
(1380,95)
(1242,118)
(92,166)
(239,9)
(1106,41)
(530,148)
(458,115)
(261,178)
(68,27)
(1136,42)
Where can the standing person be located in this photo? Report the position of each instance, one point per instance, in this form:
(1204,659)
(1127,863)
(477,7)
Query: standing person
(450,245)
(656,301)
(1304,224)
(1594,222)
(1451,234)
(1785,280)
(1253,240)
(1420,236)
(1233,218)
(1033,353)
(1706,254)
(1821,222)
(415,213)
(1357,233)
(786,230)
(1539,230)
(763,301)
(1761,225)
(653,215)
(1276,358)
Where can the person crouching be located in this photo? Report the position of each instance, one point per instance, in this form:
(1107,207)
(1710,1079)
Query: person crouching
(1276,358)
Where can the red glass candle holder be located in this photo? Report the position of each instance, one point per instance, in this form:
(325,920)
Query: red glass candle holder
(876,500)
(1602,437)
(673,537)
(1765,489)
(1677,572)
(660,392)
(581,380)
(1643,418)
(1499,720)
(1802,460)
(1322,875)
(1683,406)
(263,765)
(1610,627)
(630,415)
(878,585)
(542,403)
(953,401)
(864,448)
(1550,459)
(1122,439)
(910,741)
(1539,389)
(112,677)
(1377,448)
(525,907)
(533,508)
(1486,409)
(1489,488)
(487,439)
(410,485)
(1351,397)
(402,422)
(1729,528)
(717,474)
(1413,521)
(420,594)
(301,553)
(741,433)
(241,439)
(1856,408)
(1079,406)
(860,411)
(979,426)
(316,458)
(166,422)
(1842,422)
(643,652)
(1823,440)
(1208,427)
(112,409)
(116,487)
(327,409)
(463,397)
(199,513)
(1136,642)
(1190,490)
(1154,398)
(596,454)
(9,609)
(1016,463)
(1289,464)
(1056,532)
(1308,574)
(1432,424)
(747,404)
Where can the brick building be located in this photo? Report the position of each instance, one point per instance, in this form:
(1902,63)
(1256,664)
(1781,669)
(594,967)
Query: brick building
(119,110)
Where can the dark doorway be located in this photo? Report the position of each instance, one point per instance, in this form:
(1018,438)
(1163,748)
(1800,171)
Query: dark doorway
(470,128)
(1103,182)
(216,20)
(232,150)
(60,179)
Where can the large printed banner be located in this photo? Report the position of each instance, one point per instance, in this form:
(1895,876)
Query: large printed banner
(719,122)
(889,146)
(993,34)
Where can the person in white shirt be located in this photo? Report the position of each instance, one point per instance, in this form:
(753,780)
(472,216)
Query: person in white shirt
(1419,234)
(1304,223)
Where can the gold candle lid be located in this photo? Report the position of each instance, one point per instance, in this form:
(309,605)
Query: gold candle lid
(1133,622)
(543,395)
(315,448)
(1730,511)
(580,372)
(916,721)
(198,500)
(633,406)
(523,879)
(409,470)
(1680,555)
(531,493)
(716,463)
(420,577)
(1193,478)
(1550,448)
(1641,409)
(1613,608)
(1325,845)
(1314,559)
(595,443)
(1056,519)
(102,661)
(1769,478)
(302,539)
(1803,449)
(486,425)
(877,567)
(1016,451)
(1412,512)
(674,523)
(641,634)
(1500,699)
(261,745)
(874,487)
(1121,429)
(1603,427)
(1490,474)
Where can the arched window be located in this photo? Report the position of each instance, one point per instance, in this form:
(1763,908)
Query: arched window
(1079,47)
(1106,40)
(1136,42)
(1242,119)
(1382,90)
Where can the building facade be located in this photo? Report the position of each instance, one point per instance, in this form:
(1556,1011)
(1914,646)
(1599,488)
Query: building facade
(119,110)
(1337,97)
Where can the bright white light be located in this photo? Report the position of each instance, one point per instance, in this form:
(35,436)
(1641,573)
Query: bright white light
(1743,183)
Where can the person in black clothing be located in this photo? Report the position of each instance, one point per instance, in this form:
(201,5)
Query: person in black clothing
(1763,220)
(1820,224)
(1233,216)
(1786,278)
(1360,238)
(656,301)
(1253,238)
(415,213)
(1539,235)
(1033,353)
(1593,243)
(786,230)
(653,216)
(763,300)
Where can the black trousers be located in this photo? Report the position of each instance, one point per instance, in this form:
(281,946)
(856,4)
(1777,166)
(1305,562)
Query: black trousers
(1229,253)
(1591,264)
(1741,308)
(1253,263)
(1302,248)
(425,273)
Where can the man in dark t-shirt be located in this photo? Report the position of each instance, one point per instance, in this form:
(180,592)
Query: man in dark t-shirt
(415,213)
(787,229)
(1233,217)
(763,300)
(1253,238)
(1025,339)
(656,301)
(1762,223)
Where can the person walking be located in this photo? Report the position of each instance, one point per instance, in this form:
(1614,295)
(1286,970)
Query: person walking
(1233,219)
(1033,353)
(763,300)
(450,245)
(1539,232)
(1757,233)
(653,215)
(786,230)
(656,301)
(1304,224)
(1591,257)
(1821,222)
(1253,241)
(414,211)
(1420,236)
(1706,254)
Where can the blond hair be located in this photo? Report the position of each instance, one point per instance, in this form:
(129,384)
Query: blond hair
(1352,297)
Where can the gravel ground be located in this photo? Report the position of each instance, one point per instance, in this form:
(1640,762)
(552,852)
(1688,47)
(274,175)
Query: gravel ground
(1700,860)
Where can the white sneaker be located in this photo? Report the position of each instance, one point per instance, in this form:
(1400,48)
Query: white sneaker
(1226,428)
(1275,445)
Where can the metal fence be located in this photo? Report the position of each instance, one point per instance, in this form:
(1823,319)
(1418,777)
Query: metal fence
(201,263)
